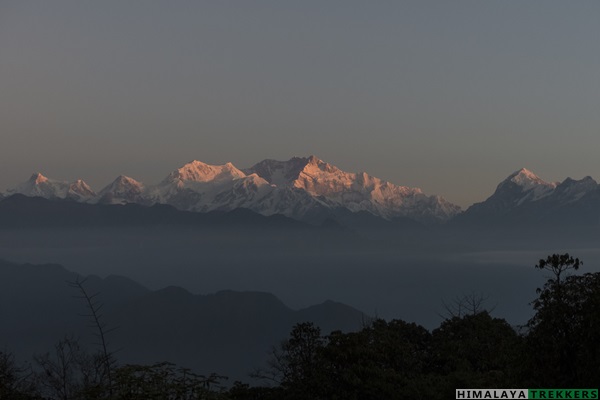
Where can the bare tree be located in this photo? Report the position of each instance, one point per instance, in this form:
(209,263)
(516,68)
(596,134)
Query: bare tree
(468,304)
(59,375)
(106,357)
(16,382)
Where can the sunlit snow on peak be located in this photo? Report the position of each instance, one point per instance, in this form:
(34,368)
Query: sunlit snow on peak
(298,187)
(38,178)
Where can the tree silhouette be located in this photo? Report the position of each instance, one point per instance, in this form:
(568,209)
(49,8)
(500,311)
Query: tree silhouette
(467,304)
(107,359)
(565,331)
(558,264)
(16,382)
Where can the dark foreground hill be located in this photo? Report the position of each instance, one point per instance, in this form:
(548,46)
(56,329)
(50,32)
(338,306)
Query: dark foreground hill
(226,332)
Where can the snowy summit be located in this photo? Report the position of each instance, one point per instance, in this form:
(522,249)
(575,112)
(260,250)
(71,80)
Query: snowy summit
(301,188)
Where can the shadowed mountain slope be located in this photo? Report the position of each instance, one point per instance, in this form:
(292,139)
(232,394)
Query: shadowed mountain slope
(226,332)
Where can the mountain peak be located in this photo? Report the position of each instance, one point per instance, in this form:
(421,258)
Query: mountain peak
(333,187)
(302,187)
(282,173)
(122,190)
(79,190)
(314,164)
(571,190)
(122,181)
(79,183)
(198,171)
(520,187)
(523,173)
(38,178)
(40,186)
(312,159)
(125,180)
(526,179)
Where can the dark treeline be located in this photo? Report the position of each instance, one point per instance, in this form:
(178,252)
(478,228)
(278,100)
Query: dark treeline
(384,360)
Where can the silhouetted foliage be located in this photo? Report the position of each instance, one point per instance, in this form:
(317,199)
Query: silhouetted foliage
(565,331)
(71,373)
(383,360)
(476,351)
(164,381)
(558,264)
(16,382)
(243,391)
(295,363)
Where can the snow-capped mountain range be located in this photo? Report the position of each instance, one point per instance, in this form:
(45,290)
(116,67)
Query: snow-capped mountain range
(525,196)
(40,186)
(309,189)
(303,188)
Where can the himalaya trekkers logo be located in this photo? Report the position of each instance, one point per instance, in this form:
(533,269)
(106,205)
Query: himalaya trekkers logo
(467,394)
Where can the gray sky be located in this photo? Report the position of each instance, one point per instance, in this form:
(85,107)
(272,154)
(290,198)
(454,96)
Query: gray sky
(449,96)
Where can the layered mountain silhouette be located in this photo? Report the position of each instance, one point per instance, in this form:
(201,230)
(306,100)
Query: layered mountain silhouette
(227,332)
(221,216)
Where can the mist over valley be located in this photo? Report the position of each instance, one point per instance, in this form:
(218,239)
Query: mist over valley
(158,262)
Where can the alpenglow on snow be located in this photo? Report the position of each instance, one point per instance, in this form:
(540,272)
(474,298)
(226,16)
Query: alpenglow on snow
(303,188)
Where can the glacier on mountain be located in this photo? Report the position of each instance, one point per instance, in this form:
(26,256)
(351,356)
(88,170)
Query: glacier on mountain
(301,188)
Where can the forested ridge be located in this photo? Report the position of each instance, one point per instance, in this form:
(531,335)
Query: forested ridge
(394,359)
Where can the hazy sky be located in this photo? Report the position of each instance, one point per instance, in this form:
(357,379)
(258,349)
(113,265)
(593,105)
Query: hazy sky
(450,96)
